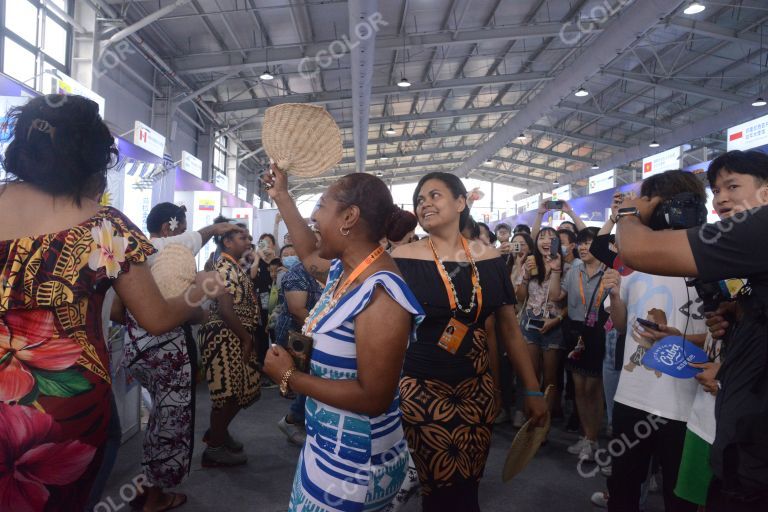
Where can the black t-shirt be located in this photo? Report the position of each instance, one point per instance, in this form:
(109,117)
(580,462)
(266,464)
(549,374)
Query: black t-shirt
(728,249)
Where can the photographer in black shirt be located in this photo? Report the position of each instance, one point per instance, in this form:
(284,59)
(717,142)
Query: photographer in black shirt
(730,248)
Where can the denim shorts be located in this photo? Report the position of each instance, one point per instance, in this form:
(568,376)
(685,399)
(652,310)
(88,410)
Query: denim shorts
(551,340)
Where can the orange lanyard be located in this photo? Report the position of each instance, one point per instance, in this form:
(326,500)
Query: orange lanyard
(230,258)
(359,269)
(581,290)
(449,288)
(326,303)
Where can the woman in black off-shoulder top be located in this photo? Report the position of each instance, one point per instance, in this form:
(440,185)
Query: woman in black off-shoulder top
(447,391)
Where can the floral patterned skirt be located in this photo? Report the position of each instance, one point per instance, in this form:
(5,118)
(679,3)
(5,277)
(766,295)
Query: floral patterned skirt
(54,415)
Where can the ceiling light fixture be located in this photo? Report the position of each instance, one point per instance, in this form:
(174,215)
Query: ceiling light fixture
(694,8)
(390,130)
(556,182)
(654,143)
(488,160)
(384,157)
(595,166)
(521,136)
(403,81)
(760,100)
(582,92)
(266,75)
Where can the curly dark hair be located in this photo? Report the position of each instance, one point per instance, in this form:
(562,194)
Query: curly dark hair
(60,145)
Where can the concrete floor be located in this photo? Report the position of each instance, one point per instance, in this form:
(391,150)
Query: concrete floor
(550,483)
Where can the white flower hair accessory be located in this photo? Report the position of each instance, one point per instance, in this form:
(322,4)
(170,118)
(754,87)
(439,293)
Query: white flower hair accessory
(173,224)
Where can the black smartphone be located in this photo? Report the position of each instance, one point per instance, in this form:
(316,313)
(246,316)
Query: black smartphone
(534,324)
(554,249)
(554,205)
(648,324)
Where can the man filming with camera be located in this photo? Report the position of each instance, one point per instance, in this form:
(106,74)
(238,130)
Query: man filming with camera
(651,408)
(713,252)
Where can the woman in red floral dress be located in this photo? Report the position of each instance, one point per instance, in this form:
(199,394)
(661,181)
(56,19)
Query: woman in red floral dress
(60,252)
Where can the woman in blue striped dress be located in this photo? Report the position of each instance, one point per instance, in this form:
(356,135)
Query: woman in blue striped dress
(355,457)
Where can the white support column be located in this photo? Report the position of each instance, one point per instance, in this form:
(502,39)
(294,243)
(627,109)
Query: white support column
(232,164)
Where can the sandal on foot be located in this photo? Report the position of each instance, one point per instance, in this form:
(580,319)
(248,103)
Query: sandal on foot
(177,500)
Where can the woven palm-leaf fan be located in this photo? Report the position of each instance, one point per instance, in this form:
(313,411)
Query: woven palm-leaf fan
(174,270)
(302,140)
(525,444)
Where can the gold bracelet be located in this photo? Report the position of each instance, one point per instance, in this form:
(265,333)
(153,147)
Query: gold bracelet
(284,381)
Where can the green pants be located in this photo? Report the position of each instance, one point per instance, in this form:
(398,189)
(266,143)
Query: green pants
(695,474)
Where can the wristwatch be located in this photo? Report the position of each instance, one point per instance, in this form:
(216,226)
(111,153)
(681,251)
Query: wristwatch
(284,387)
(627,212)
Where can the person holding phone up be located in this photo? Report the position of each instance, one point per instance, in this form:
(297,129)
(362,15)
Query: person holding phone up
(543,312)
(549,205)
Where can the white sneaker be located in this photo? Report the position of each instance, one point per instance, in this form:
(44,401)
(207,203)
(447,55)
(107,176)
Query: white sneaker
(653,484)
(519,419)
(575,448)
(588,451)
(502,417)
(600,499)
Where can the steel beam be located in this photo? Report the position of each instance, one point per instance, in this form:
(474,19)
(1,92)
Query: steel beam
(622,31)
(217,63)
(362,75)
(681,135)
(744,38)
(576,136)
(615,114)
(346,94)
(147,20)
(679,86)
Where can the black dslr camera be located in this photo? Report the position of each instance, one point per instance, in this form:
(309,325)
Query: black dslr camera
(682,211)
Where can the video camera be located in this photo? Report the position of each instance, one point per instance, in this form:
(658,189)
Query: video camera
(712,294)
(682,211)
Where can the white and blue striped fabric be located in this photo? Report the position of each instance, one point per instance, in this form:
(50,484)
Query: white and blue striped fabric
(350,462)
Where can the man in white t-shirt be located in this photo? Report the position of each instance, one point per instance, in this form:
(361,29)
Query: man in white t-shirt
(651,408)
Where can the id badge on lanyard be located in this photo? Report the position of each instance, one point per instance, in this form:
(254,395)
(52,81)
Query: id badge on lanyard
(452,336)
(455,331)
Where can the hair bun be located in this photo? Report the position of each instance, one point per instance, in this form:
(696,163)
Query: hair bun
(399,224)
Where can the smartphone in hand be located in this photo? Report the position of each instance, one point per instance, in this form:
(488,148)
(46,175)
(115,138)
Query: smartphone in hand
(554,205)
(648,324)
(554,248)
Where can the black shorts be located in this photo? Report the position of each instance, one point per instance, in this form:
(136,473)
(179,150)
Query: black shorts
(590,361)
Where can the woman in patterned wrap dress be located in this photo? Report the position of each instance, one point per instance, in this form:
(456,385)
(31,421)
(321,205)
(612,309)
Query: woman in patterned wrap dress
(355,456)
(60,253)
(448,393)
(229,340)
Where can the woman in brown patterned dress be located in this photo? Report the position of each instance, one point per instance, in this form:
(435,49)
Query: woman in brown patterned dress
(448,394)
(229,340)
(60,253)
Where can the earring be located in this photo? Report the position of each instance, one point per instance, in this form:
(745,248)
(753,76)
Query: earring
(341,230)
